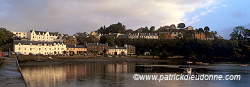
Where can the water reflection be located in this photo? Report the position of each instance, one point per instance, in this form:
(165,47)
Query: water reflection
(56,75)
(121,74)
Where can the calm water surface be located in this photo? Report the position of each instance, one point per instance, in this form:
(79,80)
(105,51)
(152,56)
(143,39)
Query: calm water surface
(121,75)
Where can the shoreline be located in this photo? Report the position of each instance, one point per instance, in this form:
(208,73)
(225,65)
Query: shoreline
(46,60)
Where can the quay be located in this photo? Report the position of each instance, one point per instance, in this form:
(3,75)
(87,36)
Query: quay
(10,74)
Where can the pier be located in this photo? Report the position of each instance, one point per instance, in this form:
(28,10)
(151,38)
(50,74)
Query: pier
(10,74)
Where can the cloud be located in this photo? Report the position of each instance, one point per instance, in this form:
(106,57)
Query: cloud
(70,16)
(224,5)
(196,17)
(237,14)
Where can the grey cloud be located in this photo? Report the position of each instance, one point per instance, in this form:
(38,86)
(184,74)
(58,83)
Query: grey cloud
(71,16)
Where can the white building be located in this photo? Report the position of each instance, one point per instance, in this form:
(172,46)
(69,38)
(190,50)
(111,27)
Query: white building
(117,50)
(33,35)
(133,36)
(38,47)
(149,35)
(20,34)
(143,35)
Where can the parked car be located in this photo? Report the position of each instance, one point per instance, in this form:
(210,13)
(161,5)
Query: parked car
(31,54)
(6,54)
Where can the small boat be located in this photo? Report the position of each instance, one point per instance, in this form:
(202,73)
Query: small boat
(189,62)
(198,62)
(188,71)
(204,63)
(243,65)
(184,66)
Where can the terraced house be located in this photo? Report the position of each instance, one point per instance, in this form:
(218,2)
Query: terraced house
(39,47)
(33,35)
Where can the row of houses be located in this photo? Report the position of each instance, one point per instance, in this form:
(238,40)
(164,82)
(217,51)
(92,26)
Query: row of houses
(51,43)
(161,35)
(53,48)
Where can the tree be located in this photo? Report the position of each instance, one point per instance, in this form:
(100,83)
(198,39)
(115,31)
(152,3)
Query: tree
(206,29)
(107,39)
(5,36)
(239,33)
(172,26)
(152,29)
(200,30)
(114,28)
(181,25)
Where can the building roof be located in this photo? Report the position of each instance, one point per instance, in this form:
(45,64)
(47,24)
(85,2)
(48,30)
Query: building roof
(117,47)
(43,32)
(96,44)
(25,42)
(76,46)
(149,34)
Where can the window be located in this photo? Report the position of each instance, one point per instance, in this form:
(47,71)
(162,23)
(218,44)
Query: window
(30,48)
(39,49)
(24,48)
(19,48)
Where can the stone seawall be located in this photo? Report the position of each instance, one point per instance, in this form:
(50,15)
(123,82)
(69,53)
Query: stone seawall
(10,74)
(25,58)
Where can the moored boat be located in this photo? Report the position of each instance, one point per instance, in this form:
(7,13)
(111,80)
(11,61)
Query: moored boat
(198,62)
(189,62)
(243,65)
(205,63)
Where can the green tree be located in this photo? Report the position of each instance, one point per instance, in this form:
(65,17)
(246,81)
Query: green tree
(107,39)
(181,25)
(152,29)
(206,29)
(5,36)
(114,28)
(239,33)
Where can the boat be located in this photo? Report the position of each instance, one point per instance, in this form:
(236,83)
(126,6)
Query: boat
(198,62)
(243,65)
(188,71)
(204,63)
(189,62)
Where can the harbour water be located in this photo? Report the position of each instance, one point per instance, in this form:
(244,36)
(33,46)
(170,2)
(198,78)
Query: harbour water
(121,75)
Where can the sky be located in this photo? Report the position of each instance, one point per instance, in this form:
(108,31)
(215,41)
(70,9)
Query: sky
(71,16)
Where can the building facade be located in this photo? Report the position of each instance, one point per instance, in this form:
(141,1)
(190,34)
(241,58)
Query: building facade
(133,36)
(96,47)
(33,35)
(38,47)
(76,49)
(200,35)
(20,34)
(131,50)
(117,50)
